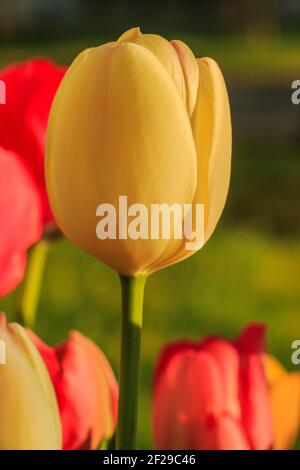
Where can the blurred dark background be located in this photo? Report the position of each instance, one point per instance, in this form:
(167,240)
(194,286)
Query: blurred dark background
(250,270)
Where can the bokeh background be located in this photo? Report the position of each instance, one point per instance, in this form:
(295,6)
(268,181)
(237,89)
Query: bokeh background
(250,269)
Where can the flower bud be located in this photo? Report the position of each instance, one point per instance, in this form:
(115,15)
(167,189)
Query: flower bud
(28,408)
(142,118)
(86,390)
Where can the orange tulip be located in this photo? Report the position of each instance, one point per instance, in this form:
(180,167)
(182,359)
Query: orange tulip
(285,403)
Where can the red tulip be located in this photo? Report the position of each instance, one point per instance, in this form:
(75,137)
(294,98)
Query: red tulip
(20,219)
(30,88)
(24,207)
(213,395)
(86,390)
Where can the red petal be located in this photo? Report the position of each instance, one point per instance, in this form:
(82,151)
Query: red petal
(186,390)
(254,392)
(86,390)
(227,434)
(30,88)
(227,360)
(20,219)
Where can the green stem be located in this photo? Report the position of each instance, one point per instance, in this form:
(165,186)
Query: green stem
(32,283)
(132,315)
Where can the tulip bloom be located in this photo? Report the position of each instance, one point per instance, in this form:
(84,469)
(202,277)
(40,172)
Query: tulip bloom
(143,119)
(24,206)
(213,395)
(86,390)
(30,88)
(285,402)
(140,117)
(20,219)
(28,408)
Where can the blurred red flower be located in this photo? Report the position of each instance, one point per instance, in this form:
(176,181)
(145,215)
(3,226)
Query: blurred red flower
(86,390)
(213,395)
(30,89)
(24,207)
(20,218)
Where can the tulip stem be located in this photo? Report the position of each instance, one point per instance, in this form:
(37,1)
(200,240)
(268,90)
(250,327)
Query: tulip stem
(132,315)
(32,283)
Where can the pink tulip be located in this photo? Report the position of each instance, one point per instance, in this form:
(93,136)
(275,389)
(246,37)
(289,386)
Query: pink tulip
(86,390)
(20,219)
(213,395)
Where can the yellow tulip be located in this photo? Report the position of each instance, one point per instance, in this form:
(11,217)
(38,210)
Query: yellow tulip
(285,403)
(29,417)
(140,117)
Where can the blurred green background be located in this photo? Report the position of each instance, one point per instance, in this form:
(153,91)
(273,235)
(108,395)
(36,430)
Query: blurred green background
(250,269)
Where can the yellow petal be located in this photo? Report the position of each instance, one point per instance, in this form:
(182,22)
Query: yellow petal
(285,402)
(190,71)
(212,132)
(131,35)
(20,335)
(28,408)
(118,127)
(274,370)
(163,51)
(211,125)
